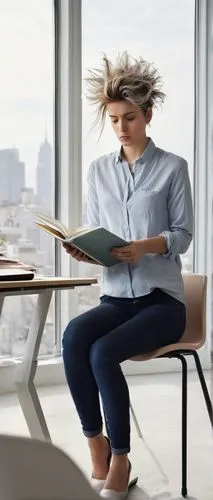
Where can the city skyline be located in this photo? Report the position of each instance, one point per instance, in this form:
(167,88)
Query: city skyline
(44,163)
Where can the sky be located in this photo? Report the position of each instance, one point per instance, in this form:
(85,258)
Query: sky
(26,76)
(162,31)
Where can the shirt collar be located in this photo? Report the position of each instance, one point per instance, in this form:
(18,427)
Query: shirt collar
(144,158)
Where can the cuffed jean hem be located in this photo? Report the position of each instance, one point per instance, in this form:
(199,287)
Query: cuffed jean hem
(91,434)
(121,451)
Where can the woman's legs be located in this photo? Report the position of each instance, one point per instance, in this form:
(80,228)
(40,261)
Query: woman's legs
(81,333)
(96,343)
(79,336)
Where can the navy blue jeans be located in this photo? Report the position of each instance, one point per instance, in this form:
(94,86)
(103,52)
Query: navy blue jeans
(97,341)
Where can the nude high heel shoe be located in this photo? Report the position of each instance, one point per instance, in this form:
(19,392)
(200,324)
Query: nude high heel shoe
(98,484)
(119,495)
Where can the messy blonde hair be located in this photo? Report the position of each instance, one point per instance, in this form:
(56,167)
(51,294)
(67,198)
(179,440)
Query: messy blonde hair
(134,80)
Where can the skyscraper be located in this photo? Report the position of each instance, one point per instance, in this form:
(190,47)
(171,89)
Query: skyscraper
(12,176)
(44,175)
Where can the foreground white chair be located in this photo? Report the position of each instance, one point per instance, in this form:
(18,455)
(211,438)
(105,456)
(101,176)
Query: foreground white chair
(37,470)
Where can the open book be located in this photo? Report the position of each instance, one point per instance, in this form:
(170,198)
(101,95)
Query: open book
(96,242)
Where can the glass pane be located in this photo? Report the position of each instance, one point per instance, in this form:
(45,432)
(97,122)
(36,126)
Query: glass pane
(162,32)
(26,155)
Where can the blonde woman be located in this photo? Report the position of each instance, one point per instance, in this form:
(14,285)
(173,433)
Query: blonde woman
(142,194)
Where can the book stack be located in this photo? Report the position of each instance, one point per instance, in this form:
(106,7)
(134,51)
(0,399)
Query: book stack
(12,270)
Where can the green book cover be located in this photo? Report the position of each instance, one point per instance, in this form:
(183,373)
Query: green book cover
(98,243)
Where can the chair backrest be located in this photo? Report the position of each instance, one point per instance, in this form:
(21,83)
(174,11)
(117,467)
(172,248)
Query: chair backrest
(195,292)
(37,470)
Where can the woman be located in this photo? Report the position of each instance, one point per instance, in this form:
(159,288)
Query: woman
(143,194)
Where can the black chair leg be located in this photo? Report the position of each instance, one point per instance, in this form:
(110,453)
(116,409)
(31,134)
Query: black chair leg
(203,385)
(184,425)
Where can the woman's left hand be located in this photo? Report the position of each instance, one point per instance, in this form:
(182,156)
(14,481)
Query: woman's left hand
(130,254)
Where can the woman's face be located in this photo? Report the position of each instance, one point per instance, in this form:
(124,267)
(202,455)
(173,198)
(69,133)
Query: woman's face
(128,121)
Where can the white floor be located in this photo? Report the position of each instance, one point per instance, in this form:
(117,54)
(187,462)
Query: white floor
(157,403)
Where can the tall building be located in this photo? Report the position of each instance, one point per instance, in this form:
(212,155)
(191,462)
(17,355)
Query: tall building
(44,175)
(12,176)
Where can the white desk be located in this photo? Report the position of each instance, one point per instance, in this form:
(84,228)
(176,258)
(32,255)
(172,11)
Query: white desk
(26,390)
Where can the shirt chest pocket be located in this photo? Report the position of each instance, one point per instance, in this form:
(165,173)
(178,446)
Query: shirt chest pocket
(148,202)
(149,210)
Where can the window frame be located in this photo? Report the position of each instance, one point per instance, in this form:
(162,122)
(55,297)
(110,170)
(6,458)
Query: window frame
(68,147)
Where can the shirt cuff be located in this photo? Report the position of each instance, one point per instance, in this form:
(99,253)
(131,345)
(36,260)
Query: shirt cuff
(169,243)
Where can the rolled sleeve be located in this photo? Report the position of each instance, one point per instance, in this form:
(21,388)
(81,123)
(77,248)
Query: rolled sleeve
(92,199)
(180,212)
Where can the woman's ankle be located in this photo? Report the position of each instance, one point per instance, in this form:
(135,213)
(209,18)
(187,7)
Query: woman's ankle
(100,456)
(120,460)
(96,442)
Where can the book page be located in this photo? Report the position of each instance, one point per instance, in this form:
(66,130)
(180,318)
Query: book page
(55,225)
(6,260)
(80,231)
(58,229)
(52,231)
(9,263)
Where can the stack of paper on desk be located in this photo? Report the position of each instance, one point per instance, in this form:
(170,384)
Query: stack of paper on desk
(11,269)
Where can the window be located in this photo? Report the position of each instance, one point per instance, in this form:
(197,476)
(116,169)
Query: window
(26,155)
(163,33)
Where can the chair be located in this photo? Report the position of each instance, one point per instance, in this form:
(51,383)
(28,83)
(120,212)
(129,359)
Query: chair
(37,470)
(192,340)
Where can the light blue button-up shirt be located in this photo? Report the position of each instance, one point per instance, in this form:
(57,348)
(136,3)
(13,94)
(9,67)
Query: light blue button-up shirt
(151,198)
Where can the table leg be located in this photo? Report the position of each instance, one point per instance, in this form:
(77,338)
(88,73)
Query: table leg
(26,390)
(1,303)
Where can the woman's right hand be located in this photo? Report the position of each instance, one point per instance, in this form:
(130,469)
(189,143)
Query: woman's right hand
(77,254)
(74,252)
